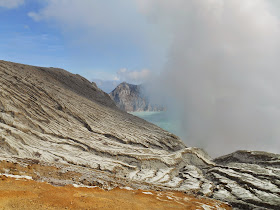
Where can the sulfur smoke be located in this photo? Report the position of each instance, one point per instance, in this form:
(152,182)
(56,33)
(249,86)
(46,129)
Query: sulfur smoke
(223,72)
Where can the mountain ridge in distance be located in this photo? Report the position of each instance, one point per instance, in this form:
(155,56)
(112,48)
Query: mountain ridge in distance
(131,98)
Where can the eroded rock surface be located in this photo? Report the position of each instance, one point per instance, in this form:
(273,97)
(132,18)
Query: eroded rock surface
(53,118)
(248,179)
(132,98)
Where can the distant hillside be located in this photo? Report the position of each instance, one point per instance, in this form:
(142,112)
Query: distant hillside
(132,98)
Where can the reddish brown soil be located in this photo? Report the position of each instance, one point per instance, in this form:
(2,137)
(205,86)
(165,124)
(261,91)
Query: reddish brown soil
(29,194)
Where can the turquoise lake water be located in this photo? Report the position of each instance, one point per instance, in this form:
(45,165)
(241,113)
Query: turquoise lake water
(161,119)
(170,122)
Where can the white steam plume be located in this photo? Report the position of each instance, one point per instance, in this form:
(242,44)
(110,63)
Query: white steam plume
(223,71)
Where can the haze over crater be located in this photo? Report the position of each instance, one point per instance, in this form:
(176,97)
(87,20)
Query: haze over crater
(222,73)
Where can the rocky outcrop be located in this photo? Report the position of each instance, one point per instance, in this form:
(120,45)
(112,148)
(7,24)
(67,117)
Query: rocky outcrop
(248,180)
(57,120)
(132,98)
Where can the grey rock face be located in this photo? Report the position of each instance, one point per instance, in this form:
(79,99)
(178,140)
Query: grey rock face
(247,179)
(52,117)
(132,98)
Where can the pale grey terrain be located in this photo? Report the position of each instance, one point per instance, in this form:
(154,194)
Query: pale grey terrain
(55,118)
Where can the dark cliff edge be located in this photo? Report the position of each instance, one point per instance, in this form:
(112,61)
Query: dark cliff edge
(132,98)
(62,129)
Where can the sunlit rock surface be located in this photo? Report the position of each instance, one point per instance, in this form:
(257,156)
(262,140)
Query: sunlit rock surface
(133,98)
(52,118)
(247,179)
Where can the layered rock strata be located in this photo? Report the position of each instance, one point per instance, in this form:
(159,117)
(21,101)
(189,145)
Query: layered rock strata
(52,118)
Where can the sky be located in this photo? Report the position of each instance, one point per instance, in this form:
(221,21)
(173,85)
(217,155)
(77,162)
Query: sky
(101,40)
(213,62)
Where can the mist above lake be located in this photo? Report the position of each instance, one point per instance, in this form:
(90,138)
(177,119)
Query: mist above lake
(221,77)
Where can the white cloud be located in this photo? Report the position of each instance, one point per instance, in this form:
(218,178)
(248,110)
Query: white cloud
(34,16)
(106,25)
(135,77)
(10,4)
(109,16)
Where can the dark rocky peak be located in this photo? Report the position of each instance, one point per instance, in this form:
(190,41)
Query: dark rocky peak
(129,97)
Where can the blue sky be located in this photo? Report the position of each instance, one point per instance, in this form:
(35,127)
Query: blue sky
(97,39)
(25,41)
(91,38)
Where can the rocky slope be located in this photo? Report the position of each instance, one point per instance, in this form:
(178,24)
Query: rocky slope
(132,98)
(60,128)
